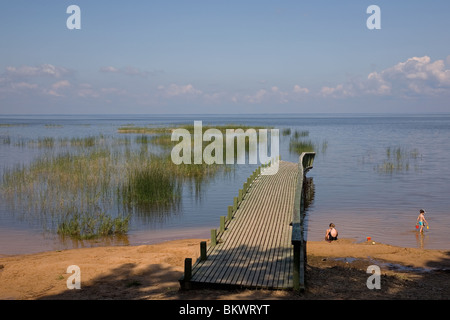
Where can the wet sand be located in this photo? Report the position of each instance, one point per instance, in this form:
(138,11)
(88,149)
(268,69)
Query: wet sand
(336,270)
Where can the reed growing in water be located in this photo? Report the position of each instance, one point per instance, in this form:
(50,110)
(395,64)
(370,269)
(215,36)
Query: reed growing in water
(150,183)
(299,146)
(189,127)
(299,143)
(93,225)
(399,159)
(90,186)
(80,186)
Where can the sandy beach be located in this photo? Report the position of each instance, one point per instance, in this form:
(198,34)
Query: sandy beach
(336,270)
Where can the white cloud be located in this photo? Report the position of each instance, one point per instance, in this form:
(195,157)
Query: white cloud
(109,69)
(113,91)
(418,75)
(339,91)
(298,89)
(256,97)
(39,71)
(415,76)
(86,90)
(61,84)
(24,85)
(129,71)
(275,95)
(55,89)
(53,93)
(34,80)
(174,90)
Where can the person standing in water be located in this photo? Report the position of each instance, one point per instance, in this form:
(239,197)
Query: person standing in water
(421,220)
(331,233)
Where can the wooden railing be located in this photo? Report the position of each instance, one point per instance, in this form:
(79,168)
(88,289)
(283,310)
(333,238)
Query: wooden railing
(305,163)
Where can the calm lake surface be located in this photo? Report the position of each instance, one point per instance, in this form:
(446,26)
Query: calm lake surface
(371,175)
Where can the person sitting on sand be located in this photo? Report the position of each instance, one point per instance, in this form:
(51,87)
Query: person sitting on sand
(421,220)
(331,233)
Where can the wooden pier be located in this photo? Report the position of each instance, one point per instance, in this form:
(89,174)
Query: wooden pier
(260,242)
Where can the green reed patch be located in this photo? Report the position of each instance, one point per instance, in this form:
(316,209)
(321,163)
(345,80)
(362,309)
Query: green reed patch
(151,183)
(189,127)
(399,159)
(299,143)
(299,134)
(70,188)
(299,146)
(92,225)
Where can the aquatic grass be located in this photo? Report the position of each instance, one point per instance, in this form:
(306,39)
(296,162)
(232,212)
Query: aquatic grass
(190,127)
(142,139)
(44,142)
(162,140)
(94,175)
(142,130)
(150,183)
(85,142)
(6,140)
(222,128)
(55,185)
(398,159)
(51,142)
(299,134)
(324,146)
(157,181)
(161,137)
(299,143)
(300,146)
(92,225)
(9,125)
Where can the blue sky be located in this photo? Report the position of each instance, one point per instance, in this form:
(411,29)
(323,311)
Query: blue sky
(224,57)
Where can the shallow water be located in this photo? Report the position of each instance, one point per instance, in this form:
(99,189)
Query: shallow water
(348,189)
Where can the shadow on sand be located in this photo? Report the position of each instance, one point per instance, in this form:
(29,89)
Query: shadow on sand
(325,279)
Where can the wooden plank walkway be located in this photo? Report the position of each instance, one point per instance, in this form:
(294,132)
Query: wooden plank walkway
(255,249)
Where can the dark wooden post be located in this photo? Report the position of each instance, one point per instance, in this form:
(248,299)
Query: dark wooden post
(203,251)
(185,282)
(296,271)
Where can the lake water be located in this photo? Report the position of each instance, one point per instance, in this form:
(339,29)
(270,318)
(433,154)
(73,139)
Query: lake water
(371,175)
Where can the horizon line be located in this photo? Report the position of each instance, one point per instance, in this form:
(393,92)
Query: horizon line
(227,114)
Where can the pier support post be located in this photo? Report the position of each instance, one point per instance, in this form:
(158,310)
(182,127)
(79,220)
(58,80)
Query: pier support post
(203,251)
(296,271)
(213,237)
(222,224)
(230,213)
(185,282)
